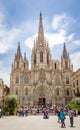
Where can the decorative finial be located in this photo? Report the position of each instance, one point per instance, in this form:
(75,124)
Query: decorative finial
(40,15)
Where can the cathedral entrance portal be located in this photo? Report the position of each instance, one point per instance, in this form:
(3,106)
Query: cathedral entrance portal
(42,101)
(41,95)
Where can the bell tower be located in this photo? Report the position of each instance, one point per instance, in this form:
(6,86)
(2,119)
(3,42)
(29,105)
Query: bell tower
(65,60)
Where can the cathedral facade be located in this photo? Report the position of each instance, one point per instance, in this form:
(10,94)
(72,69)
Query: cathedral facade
(48,80)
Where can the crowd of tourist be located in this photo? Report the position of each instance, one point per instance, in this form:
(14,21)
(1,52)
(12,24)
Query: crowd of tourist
(60,112)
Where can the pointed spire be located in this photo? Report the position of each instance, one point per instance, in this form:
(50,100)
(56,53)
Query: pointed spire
(18,51)
(40,15)
(65,55)
(25,56)
(40,31)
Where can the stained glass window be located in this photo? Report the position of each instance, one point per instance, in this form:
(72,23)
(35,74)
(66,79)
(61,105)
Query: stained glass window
(26,80)
(17,80)
(57,79)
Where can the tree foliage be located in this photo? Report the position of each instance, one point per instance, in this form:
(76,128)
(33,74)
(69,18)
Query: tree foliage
(75,104)
(11,104)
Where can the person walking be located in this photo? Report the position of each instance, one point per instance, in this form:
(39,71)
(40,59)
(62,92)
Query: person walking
(62,117)
(71,115)
(45,113)
(58,113)
(0,112)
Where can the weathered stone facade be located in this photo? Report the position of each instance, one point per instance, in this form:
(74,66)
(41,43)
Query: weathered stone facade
(4,92)
(75,80)
(48,80)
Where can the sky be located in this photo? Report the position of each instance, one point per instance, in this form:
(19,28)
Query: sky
(19,22)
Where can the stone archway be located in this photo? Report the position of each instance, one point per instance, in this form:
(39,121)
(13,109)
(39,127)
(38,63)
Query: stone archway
(41,95)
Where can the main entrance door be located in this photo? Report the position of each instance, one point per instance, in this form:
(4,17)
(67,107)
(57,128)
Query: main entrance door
(42,101)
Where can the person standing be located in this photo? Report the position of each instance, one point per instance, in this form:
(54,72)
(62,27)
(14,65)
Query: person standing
(62,117)
(45,113)
(0,112)
(58,113)
(71,115)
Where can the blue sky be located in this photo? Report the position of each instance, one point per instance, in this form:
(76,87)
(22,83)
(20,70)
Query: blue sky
(19,21)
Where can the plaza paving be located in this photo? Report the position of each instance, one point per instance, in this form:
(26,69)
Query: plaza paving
(36,123)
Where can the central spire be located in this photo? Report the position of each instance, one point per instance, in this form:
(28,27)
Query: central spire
(40,31)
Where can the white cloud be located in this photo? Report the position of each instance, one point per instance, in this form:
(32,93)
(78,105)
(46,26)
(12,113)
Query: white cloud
(55,38)
(77,42)
(70,37)
(75,58)
(29,42)
(62,21)
(7,36)
(4,73)
(8,39)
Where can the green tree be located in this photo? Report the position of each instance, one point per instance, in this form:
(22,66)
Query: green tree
(75,104)
(11,104)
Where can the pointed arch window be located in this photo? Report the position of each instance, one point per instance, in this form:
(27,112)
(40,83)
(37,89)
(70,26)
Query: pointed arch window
(66,65)
(74,91)
(73,84)
(55,66)
(16,91)
(26,80)
(77,91)
(47,58)
(41,56)
(26,91)
(34,58)
(67,80)
(57,91)
(57,80)
(77,82)
(17,80)
(18,65)
(67,91)
(24,65)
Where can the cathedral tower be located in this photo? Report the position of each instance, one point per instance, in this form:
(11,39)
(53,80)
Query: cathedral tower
(41,57)
(19,75)
(66,70)
(65,60)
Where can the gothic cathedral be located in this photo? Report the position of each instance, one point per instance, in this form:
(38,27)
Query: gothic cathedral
(48,80)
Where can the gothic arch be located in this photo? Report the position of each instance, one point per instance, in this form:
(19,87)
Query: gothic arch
(26,91)
(43,92)
(67,92)
(57,79)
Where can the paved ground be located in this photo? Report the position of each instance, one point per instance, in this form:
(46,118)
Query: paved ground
(36,123)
